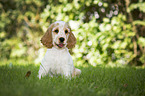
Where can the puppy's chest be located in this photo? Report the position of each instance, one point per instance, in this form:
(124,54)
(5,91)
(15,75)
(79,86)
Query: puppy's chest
(58,58)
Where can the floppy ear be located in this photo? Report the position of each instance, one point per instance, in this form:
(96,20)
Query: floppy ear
(46,40)
(71,40)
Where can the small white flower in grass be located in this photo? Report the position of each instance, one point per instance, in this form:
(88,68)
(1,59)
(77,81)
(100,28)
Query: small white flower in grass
(90,43)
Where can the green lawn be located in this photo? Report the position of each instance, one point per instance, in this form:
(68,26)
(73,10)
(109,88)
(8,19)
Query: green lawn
(94,81)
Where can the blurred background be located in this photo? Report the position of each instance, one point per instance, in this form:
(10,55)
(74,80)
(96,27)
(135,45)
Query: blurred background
(108,32)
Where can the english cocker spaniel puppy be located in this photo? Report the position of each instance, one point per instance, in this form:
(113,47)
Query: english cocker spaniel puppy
(57,60)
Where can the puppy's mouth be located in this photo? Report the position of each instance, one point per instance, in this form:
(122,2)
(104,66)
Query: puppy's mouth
(60,45)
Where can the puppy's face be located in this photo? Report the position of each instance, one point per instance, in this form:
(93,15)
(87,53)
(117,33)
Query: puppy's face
(59,35)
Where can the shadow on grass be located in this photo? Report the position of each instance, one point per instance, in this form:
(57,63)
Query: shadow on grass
(93,81)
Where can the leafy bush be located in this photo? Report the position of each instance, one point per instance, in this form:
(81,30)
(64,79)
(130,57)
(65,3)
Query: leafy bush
(109,42)
(105,32)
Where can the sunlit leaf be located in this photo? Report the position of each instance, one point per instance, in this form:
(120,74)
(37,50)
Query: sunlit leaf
(141,41)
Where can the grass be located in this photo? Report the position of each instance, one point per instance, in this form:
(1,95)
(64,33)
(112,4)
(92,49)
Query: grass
(94,81)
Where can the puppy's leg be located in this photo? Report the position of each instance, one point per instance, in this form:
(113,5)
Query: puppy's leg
(67,73)
(76,72)
(42,72)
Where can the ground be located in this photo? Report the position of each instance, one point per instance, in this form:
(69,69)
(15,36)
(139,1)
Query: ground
(94,81)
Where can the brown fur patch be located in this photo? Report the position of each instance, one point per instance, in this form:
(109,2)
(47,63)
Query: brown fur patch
(46,40)
(71,39)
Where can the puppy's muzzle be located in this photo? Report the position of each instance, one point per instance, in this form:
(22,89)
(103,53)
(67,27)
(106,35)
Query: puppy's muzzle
(61,39)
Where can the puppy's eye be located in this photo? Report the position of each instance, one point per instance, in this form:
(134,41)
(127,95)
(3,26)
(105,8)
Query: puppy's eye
(56,31)
(66,31)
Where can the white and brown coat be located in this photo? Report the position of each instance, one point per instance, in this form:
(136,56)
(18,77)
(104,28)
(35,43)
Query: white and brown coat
(57,60)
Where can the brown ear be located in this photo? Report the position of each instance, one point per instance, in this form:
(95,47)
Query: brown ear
(71,41)
(46,40)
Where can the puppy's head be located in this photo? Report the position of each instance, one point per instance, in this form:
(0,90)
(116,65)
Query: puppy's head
(59,35)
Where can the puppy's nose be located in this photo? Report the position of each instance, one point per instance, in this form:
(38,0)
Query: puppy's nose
(61,39)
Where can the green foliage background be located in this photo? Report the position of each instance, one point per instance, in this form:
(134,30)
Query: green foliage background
(108,32)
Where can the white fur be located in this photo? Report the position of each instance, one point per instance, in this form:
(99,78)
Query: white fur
(56,61)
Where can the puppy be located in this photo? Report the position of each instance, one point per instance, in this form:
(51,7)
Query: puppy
(57,60)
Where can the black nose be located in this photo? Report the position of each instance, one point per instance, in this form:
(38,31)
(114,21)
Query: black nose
(61,39)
